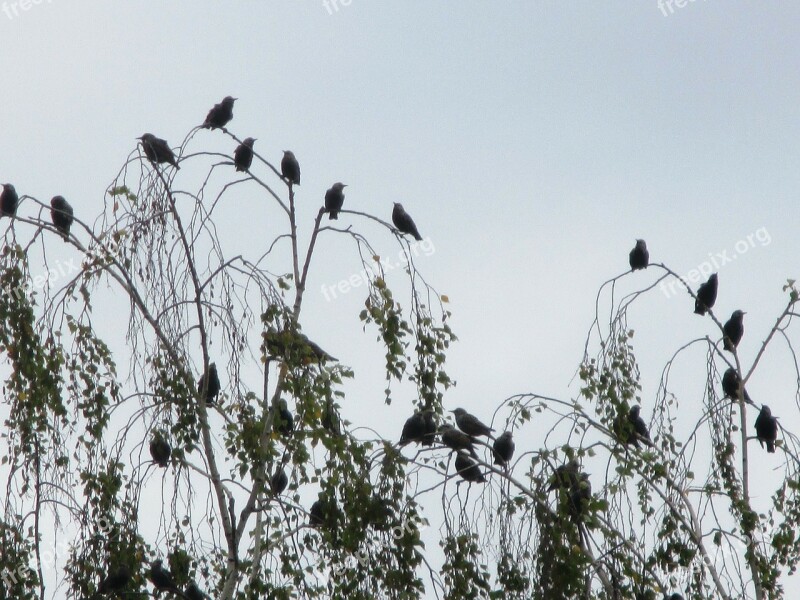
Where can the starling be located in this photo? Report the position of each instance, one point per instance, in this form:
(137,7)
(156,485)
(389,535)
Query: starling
(413,430)
(288,343)
(565,476)
(730,385)
(160,449)
(213,384)
(580,493)
(470,424)
(706,295)
(334,199)
(193,592)
(503,449)
(767,428)
(455,439)
(467,468)
(290,168)
(8,201)
(162,578)
(157,150)
(284,424)
(430,428)
(322,514)
(116,580)
(61,214)
(221,114)
(403,221)
(631,428)
(243,156)
(639,257)
(733,330)
(278,482)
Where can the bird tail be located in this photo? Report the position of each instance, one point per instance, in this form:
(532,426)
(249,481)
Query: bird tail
(699,309)
(418,237)
(333,216)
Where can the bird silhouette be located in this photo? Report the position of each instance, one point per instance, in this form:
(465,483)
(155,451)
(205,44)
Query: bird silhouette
(706,295)
(766,428)
(468,469)
(413,429)
(733,330)
(278,482)
(334,199)
(61,214)
(470,424)
(503,449)
(630,428)
(160,449)
(284,423)
(580,493)
(161,578)
(639,257)
(157,150)
(455,439)
(194,593)
(730,385)
(116,580)
(221,114)
(8,201)
(565,476)
(243,155)
(290,168)
(403,221)
(213,388)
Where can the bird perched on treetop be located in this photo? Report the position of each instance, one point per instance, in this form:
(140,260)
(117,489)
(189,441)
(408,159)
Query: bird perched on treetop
(334,199)
(290,168)
(160,449)
(403,221)
(767,428)
(503,449)
(470,424)
(61,214)
(213,384)
(706,295)
(639,257)
(730,385)
(157,150)
(631,428)
(455,439)
(116,580)
(243,156)
(221,114)
(162,578)
(467,468)
(8,201)
(733,330)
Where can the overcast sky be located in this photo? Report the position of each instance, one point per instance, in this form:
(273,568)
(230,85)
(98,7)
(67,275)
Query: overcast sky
(532,142)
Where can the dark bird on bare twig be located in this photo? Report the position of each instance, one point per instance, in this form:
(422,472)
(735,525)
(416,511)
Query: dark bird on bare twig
(470,424)
(8,201)
(157,150)
(766,428)
(278,482)
(334,199)
(194,593)
(413,429)
(467,468)
(160,449)
(733,330)
(730,385)
(243,156)
(565,476)
(639,257)
(580,493)
(403,221)
(162,578)
(61,215)
(284,421)
(213,385)
(116,580)
(221,114)
(631,428)
(503,449)
(455,439)
(290,168)
(706,295)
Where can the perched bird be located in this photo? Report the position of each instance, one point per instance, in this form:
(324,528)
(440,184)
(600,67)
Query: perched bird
(194,593)
(116,580)
(470,424)
(403,221)
(162,578)
(322,514)
(157,150)
(503,449)
(61,214)
(565,476)
(8,201)
(290,168)
(455,439)
(766,428)
(730,385)
(221,114)
(243,156)
(294,344)
(467,468)
(213,384)
(580,493)
(160,449)
(413,429)
(706,295)
(429,419)
(284,424)
(733,330)
(330,418)
(631,428)
(334,199)
(278,482)
(639,257)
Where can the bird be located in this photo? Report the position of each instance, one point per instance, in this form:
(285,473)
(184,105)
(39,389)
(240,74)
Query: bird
(194,593)
(403,221)
(580,493)
(288,344)
(284,424)
(290,168)
(468,470)
(455,439)
(330,418)
(334,199)
(413,429)
(160,449)
(565,476)
(8,201)
(157,150)
(503,449)
(706,295)
(61,214)
(430,427)
(320,513)
(278,482)
(213,384)
(162,578)
(733,330)
(730,385)
(470,424)
(221,114)
(767,428)
(639,257)
(631,428)
(243,155)
(116,580)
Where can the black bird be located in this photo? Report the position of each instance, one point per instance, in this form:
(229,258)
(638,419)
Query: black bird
(467,468)
(413,430)
(116,580)
(470,424)
(733,330)
(706,295)
(767,428)
(160,449)
(288,343)
(503,449)
(194,593)
(284,424)
(323,514)
(61,214)
(639,257)
(213,384)
(330,418)
(455,439)
(221,114)
(278,482)
(290,168)
(8,201)
(430,428)
(162,578)
(157,150)
(565,476)
(631,428)
(580,493)
(403,221)
(243,156)
(730,385)
(334,199)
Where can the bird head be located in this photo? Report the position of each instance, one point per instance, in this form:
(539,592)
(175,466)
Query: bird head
(339,186)
(738,314)
(57,201)
(458,412)
(229,100)
(249,142)
(765,410)
(634,412)
(445,427)
(640,243)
